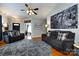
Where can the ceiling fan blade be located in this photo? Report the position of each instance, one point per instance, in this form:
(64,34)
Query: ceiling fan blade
(22,10)
(35,13)
(26,5)
(36,9)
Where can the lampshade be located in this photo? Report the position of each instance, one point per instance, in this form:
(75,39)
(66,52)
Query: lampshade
(46,25)
(4,25)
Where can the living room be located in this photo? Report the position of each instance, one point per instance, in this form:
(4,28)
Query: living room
(50,23)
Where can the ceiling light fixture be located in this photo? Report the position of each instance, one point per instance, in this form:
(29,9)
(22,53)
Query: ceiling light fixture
(30,12)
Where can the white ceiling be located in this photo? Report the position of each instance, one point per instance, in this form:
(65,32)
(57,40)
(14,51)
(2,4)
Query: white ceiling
(13,9)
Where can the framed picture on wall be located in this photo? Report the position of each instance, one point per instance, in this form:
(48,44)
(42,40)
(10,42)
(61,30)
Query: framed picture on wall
(56,20)
(66,19)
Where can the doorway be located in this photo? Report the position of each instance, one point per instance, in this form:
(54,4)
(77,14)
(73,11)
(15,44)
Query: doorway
(28,30)
(16,26)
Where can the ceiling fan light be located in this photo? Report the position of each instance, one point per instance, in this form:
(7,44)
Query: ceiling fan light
(32,13)
(27,11)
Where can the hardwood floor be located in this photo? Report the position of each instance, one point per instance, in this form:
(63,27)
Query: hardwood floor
(58,53)
(2,43)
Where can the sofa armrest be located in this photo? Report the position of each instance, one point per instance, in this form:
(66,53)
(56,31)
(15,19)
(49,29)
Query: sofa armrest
(22,36)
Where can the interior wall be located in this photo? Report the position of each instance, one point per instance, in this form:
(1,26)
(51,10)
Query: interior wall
(15,20)
(9,20)
(38,27)
(58,8)
(4,22)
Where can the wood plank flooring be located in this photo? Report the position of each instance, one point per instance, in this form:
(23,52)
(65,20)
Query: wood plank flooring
(2,43)
(58,53)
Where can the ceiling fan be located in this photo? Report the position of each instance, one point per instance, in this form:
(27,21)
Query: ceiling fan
(30,10)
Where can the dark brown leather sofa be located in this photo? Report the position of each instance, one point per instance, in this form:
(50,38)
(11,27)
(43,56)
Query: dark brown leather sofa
(12,36)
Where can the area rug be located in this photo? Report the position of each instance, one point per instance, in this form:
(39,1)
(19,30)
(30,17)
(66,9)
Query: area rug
(26,47)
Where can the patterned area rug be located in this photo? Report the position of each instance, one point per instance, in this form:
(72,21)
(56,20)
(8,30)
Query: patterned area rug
(26,48)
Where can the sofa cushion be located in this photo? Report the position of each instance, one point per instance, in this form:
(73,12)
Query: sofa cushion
(62,36)
(53,35)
